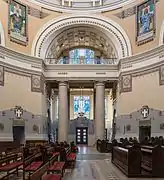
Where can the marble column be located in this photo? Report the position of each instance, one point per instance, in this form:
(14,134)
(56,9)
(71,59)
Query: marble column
(100,111)
(63,112)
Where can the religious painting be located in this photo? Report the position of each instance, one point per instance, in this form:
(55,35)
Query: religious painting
(18,22)
(145,22)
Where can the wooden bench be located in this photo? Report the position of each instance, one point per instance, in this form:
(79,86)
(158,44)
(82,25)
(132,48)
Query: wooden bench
(70,158)
(40,173)
(10,164)
(31,163)
(153,160)
(127,160)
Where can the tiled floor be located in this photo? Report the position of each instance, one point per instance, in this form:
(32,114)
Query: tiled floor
(91,165)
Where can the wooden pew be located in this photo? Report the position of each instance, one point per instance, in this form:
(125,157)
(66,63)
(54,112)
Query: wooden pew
(40,173)
(31,163)
(127,160)
(10,164)
(153,160)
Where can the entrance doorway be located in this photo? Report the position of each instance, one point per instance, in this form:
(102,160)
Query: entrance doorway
(82,135)
(19,135)
(144,131)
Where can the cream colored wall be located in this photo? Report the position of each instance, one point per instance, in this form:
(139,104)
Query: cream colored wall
(129,25)
(145,91)
(34,24)
(17,92)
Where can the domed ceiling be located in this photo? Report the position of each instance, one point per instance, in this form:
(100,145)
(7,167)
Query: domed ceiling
(74,5)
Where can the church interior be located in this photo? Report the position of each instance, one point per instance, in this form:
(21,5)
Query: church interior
(81,84)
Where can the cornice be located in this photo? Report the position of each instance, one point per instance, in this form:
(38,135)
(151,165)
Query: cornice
(156,52)
(5,52)
(88,67)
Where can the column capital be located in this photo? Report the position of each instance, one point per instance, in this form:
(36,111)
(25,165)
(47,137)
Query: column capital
(63,83)
(100,83)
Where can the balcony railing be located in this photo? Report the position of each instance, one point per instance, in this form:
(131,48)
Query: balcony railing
(112,61)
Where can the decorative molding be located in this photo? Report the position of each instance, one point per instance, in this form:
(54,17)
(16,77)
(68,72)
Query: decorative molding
(161,75)
(126,13)
(126,83)
(36,83)
(2,72)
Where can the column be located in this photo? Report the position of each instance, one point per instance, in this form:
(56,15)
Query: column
(63,112)
(100,111)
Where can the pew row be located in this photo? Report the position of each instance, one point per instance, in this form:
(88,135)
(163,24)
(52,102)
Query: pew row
(127,160)
(11,164)
(41,172)
(153,160)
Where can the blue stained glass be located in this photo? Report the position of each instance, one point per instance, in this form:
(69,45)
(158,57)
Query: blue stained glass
(76,54)
(81,104)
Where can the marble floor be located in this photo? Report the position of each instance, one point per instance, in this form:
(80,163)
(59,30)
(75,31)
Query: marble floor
(91,165)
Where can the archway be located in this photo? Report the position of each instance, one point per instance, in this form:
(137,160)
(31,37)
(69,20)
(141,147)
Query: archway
(109,28)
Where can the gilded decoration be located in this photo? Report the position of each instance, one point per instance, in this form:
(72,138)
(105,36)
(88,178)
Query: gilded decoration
(17,28)
(1,76)
(36,83)
(161,75)
(126,83)
(145,22)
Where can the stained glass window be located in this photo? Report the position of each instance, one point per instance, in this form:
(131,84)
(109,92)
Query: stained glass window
(81,105)
(78,55)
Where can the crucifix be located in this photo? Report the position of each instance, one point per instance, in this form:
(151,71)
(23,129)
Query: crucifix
(145,112)
(18,113)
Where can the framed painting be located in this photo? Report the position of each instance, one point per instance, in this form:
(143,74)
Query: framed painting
(17,29)
(145,22)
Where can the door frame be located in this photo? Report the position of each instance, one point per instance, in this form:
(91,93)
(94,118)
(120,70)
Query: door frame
(86,135)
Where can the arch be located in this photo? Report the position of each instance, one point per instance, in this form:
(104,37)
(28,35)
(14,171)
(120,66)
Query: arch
(2,35)
(161,36)
(109,27)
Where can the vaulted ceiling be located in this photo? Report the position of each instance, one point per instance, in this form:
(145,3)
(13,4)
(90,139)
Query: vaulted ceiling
(80,37)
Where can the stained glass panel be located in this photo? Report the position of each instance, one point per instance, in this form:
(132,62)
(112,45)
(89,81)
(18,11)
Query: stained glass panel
(81,104)
(76,54)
